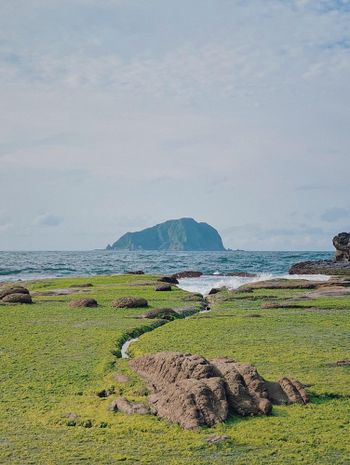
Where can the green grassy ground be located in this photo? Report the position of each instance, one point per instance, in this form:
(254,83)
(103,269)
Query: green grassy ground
(53,360)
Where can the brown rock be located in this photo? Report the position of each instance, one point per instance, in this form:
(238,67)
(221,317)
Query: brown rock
(83,303)
(163,287)
(17,299)
(130,408)
(168,279)
(190,390)
(130,302)
(162,313)
(187,274)
(13,290)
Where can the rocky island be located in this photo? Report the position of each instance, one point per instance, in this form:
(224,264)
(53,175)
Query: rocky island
(178,235)
(339,265)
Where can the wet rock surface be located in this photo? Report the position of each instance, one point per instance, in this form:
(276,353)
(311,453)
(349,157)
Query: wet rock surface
(130,302)
(192,391)
(168,279)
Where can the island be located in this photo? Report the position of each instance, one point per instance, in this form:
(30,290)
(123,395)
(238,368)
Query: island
(184,234)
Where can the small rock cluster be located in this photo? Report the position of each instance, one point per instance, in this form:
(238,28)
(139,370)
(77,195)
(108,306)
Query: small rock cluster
(192,391)
(15,295)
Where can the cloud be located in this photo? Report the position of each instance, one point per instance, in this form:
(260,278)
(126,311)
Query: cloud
(334,214)
(48,219)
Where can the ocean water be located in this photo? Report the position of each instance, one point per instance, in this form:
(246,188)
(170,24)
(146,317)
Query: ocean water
(36,265)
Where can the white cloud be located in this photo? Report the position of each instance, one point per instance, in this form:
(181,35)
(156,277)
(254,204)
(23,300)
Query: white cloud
(48,219)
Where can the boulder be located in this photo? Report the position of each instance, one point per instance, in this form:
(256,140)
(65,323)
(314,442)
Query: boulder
(130,302)
(187,274)
(192,391)
(162,313)
(168,279)
(214,290)
(13,290)
(341,243)
(83,303)
(17,298)
(125,406)
(163,287)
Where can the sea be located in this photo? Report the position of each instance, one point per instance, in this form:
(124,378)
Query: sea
(15,266)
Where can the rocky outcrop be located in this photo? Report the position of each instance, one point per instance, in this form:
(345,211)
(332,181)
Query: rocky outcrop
(130,302)
(192,391)
(15,295)
(180,234)
(83,303)
(168,279)
(340,265)
(162,313)
(163,287)
(280,283)
(187,274)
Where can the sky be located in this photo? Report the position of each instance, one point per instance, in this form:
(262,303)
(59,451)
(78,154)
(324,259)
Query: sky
(116,115)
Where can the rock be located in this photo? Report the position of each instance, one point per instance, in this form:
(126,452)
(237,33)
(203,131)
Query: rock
(242,274)
(13,290)
(83,285)
(287,391)
(280,283)
(135,272)
(194,297)
(104,393)
(214,290)
(186,311)
(340,265)
(17,299)
(192,402)
(246,389)
(163,287)
(130,302)
(83,303)
(168,279)
(191,391)
(214,438)
(162,313)
(341,243)
(125,406)
(188,274)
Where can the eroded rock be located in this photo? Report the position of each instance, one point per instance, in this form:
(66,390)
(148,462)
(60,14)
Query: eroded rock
(13,290)
(163,287)
(17,298)
(130,302)
(192,391)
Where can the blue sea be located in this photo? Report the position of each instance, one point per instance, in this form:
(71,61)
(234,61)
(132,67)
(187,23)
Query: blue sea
(35,265)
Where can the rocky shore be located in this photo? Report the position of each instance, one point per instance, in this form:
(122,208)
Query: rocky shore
(340,265)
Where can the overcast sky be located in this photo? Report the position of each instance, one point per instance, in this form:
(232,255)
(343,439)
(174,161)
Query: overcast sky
(119,114)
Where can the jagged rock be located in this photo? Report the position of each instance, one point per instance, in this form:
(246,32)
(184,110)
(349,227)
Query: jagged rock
(187,274)
(341,243)
(246,389)
(83,303)
(130,302)
(191,391)
(287,391)
(130,408)
(163,287)
(162,313)
(192,402)
(168,279)
(17,298)
(13,290)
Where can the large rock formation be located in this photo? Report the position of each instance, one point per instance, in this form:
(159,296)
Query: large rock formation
(192,391)
(340,264)
(181,234)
